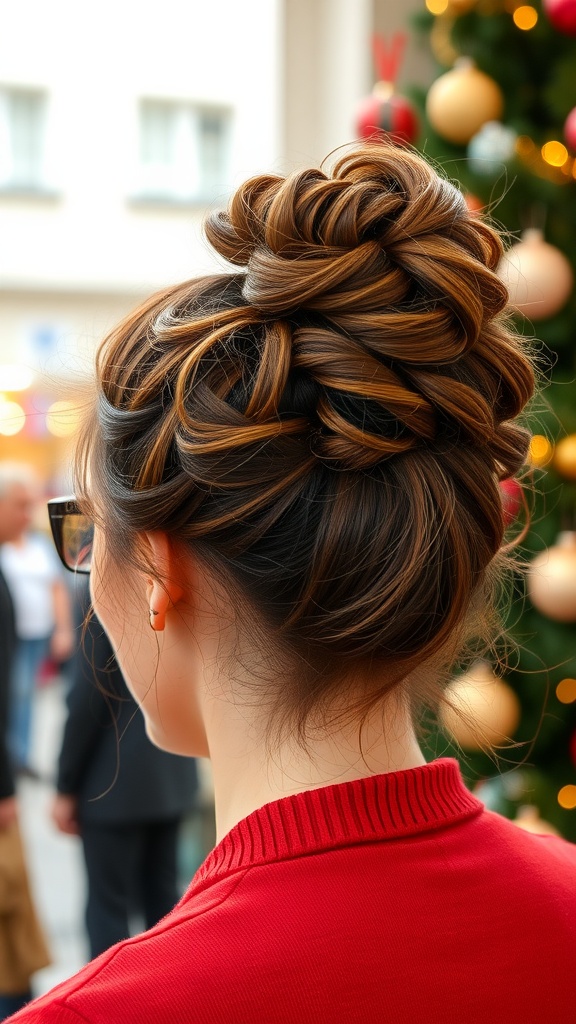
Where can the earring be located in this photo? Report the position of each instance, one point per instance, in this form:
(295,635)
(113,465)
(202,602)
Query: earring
(155,623)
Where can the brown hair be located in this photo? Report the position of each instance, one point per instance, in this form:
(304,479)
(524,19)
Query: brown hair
(328,425)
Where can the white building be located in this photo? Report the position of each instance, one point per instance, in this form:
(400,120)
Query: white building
(120,125)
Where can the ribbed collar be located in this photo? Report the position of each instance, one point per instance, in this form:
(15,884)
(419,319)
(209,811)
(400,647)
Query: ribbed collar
(380,807)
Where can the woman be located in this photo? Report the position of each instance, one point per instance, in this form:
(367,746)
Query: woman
(293,471)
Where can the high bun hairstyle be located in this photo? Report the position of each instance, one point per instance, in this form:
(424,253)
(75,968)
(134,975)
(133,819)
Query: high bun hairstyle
(326,425)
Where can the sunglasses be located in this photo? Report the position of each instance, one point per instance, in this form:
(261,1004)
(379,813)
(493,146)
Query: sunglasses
(73,534)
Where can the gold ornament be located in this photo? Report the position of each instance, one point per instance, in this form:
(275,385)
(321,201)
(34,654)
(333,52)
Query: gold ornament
(552,579)
(485,711)
(565,457)
(462,100)
(538,276)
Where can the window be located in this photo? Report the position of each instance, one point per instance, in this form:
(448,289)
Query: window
(22,138)
(183,151)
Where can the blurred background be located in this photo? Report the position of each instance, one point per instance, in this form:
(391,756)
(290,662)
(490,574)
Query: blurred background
(121,125)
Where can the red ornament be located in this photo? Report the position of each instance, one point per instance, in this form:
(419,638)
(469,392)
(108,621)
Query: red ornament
(570,130)
(562,15)
(387,114)
(511,500)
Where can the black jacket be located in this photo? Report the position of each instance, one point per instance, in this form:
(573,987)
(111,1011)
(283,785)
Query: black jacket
(7,645)
(106,759)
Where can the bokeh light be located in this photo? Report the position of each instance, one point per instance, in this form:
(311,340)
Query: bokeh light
(437,6)
(62,419)
(525,17)
(525,147)
(554,153)
(12,417)
(567,798)
(540,451)
(566,691)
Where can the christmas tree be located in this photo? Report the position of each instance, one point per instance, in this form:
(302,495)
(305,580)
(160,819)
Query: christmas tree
(501,128)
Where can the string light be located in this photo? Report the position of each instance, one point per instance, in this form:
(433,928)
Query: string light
(567,798)
(554,153)
(566,691)
(540,451)
(525,17)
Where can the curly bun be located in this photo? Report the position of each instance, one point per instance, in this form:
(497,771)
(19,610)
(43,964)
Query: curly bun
(327,425)
(402,283)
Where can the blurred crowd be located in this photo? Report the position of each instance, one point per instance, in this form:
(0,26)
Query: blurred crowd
(124,799)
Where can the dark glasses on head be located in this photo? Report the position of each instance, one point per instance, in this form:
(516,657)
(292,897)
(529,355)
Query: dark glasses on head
(73,533)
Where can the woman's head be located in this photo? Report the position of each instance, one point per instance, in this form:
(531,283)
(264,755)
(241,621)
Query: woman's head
(325,427)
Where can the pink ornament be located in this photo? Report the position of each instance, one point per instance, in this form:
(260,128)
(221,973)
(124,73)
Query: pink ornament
(511,500)
(552,580)
(538,276)
(570,130)
(562,15)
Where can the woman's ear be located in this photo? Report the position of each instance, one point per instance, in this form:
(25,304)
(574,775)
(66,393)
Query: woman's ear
(165,589)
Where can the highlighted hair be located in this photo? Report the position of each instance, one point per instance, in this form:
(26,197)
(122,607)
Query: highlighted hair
(327,426)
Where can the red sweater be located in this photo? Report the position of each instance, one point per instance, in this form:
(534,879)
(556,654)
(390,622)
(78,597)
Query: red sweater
(395,899)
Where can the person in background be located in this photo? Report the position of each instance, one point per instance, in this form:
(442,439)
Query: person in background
(291,470)
(43,617)
(123,796)
(15,514)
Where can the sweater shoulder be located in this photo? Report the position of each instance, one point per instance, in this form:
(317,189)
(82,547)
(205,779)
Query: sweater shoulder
(146,978)
(545,854)
(233,946)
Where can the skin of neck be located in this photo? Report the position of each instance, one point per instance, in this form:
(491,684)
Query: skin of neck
(250,771)
(252,765)
(206,681)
